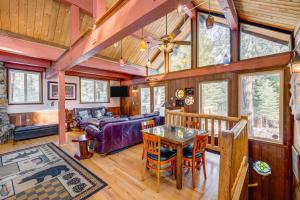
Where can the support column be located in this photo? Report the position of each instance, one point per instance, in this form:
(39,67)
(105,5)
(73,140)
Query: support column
(194,40)
(74,29)
(235,45)
(99,9)
(61,108)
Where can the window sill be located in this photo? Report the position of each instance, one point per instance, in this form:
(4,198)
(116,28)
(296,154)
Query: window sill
(266,141)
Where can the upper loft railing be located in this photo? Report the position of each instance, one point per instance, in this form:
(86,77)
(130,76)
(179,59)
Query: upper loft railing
(229,136)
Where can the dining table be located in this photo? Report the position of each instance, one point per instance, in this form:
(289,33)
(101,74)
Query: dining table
(178,137)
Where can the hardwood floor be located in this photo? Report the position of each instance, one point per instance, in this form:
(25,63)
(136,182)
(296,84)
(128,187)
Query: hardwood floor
(122,172)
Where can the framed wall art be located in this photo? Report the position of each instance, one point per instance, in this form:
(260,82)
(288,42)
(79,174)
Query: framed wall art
(70,90)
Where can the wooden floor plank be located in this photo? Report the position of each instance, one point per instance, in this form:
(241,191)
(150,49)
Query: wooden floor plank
(122,172)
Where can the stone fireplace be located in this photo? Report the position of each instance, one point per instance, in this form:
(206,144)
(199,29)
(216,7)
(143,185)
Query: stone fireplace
(5,126)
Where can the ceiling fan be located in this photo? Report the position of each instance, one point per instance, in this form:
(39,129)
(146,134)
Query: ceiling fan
(167,42)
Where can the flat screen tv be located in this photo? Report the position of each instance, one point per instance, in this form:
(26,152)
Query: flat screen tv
(119,91)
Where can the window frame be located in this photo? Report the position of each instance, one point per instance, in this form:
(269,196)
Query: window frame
(261,26)
(281,103)
(94,80)
(200,109)
(197,42)
(41,92)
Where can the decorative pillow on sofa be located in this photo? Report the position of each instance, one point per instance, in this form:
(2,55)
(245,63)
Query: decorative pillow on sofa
(111,120)
(136,117)
(97,114)
(84,114)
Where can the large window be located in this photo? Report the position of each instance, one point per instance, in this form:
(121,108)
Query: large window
(159,99)
(180,58)
(214,98)
(25,87)
(214,43)
(92,91)
(145,100)
(160,70)
(256,41)
(261,101)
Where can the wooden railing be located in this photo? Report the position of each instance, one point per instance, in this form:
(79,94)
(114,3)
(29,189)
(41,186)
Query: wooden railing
(213,124)
(233,179)
(229,136)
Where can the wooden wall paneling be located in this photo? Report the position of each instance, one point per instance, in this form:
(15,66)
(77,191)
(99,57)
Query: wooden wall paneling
(115,110)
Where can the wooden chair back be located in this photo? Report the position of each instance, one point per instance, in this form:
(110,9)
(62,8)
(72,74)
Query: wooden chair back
(148,124)
(152,144)
(200,143)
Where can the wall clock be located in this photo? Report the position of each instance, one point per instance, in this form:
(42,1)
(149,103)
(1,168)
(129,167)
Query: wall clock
(189,100)
(179,94)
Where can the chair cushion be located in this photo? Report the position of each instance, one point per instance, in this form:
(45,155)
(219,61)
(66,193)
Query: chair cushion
(164,155)
(111,120)
(188,152)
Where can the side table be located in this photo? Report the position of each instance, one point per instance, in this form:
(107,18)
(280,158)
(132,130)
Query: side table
(83,147)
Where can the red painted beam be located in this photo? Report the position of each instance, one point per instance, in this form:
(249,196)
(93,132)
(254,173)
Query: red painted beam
(18,59)
(99,9)
(230,13)
(85,5)
(29,48)
(24,67)
(100,72)
(131,17)
(74,24)
(271,61)
(100,63)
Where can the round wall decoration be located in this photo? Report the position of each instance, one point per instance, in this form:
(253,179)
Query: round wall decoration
(179,94)
(189,100)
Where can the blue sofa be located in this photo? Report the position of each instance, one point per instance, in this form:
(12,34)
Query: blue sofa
(86,116)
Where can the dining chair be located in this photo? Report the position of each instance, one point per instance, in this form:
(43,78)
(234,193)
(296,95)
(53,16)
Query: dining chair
(145,125)
(194,156)
(156,158)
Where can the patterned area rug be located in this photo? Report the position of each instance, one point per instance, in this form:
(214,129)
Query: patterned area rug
(45,172)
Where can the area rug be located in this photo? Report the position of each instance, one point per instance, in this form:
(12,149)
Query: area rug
(45,172)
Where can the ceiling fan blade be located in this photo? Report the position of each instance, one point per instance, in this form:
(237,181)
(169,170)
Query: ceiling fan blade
(182,42)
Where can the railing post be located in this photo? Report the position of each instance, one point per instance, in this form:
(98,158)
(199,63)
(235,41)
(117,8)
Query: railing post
(225,165)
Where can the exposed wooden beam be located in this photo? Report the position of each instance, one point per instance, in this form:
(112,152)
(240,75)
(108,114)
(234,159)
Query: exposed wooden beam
(100,72)
(29,50)
(99,9)
(131,17)
(18,59)
(251,64)
(24,67)
(24,47)
(230,13)
(85,5)
(100,63)
(74,23)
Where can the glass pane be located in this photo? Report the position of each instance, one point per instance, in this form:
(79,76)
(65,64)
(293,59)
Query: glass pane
(145,100)
(160,70)
(214,98)
(87,90)
(180,58)
(159,100)
(101,91)
(33,87)
(257,42)
(214,43)
(17,87)
(260,100)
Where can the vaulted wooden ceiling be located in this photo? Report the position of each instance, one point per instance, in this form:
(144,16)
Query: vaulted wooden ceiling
(276,13)
(48,21)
